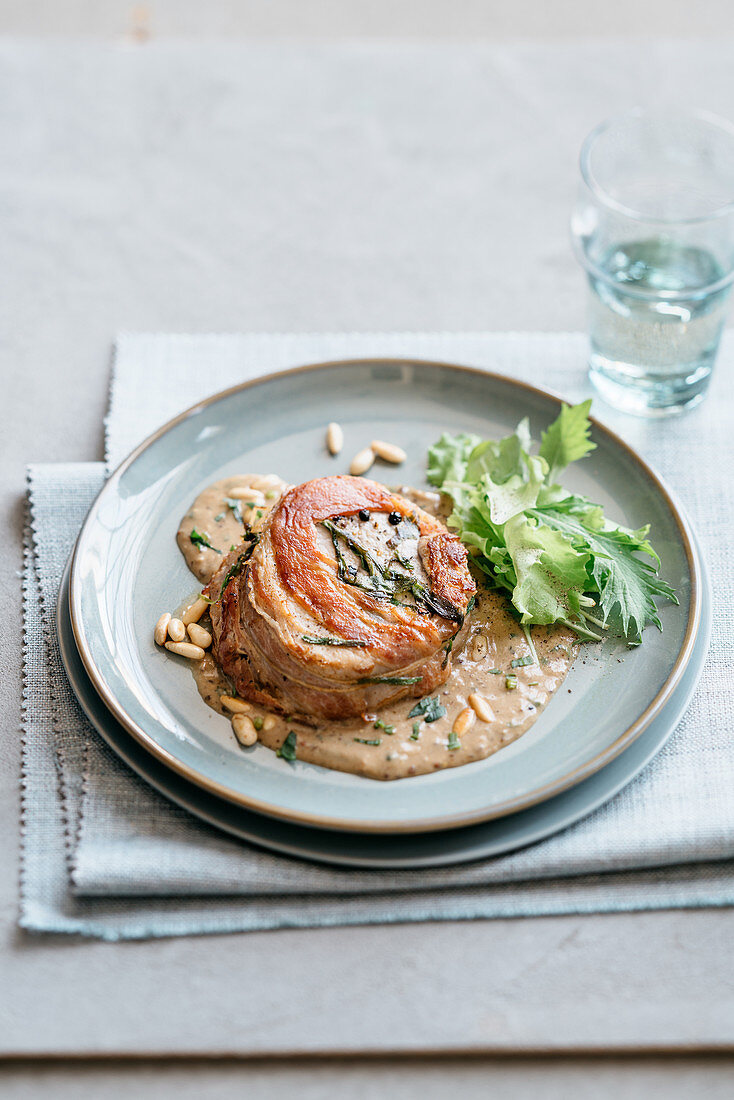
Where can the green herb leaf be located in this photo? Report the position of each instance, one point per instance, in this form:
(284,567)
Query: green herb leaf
(390,680)
(288,749)
(384,583)
(511,682)
(416,731)
(235,507)
(380,725)
(454,742)
(368,740)
(520,662)
(429,708)
(346,642)
(202,540)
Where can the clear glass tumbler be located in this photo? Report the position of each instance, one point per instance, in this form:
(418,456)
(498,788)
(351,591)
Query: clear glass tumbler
(653,227)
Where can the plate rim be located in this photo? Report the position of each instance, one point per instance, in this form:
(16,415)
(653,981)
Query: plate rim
(453,821)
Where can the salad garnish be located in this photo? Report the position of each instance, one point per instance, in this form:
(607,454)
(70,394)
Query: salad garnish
(556,554)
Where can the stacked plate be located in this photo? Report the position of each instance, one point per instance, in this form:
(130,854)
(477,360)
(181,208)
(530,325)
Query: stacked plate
(615,711)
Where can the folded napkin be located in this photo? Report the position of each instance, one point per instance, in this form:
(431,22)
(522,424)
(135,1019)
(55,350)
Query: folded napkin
(105,855)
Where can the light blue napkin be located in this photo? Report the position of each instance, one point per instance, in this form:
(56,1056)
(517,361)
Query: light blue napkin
(105,855)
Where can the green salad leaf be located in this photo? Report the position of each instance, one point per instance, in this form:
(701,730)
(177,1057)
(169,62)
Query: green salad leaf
(554,552)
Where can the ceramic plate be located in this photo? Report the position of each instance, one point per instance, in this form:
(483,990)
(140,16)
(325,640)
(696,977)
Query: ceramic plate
(374,850)
(127,568)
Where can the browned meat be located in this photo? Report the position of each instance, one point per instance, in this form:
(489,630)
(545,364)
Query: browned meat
(348,601)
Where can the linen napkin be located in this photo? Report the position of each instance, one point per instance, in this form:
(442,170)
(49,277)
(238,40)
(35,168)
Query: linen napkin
(105,855)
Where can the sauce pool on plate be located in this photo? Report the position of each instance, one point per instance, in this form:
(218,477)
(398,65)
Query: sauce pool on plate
(409,737)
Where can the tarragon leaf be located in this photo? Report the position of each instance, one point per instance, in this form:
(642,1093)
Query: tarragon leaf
(430,709)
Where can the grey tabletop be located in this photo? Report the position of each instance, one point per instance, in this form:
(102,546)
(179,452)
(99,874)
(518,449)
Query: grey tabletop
(172,186)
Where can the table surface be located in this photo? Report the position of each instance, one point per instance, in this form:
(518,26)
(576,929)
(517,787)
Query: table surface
(172,186)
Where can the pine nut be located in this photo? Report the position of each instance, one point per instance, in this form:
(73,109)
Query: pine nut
(176,630)
(479,647)
(334,438)
(388,452)
(266,481)
(194,611)
(160,632)
(244,730)
(235,706)
(362,462)
(270,722)
(481,708)
(464,721)
(249,496)
(199,636)
(186,649)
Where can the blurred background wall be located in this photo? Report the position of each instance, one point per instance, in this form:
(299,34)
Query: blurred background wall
(432,19)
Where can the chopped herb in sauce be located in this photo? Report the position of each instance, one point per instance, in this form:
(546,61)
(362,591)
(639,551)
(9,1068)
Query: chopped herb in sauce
(520,662)
(202,540)
(288,749)
(454,742)
(219,518)
(257,722)
(381,725)
(235,507)
(350,642)
(429,709)
(416,731)
(511,682)
(495,671)
(368,740)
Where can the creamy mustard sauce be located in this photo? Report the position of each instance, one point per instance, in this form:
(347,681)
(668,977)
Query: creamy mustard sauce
(405,746)
(219,519)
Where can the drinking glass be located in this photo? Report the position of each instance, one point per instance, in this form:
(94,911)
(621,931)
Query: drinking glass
(653,227)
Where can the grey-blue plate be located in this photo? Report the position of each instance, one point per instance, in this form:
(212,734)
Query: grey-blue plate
(425,849)
(127,569)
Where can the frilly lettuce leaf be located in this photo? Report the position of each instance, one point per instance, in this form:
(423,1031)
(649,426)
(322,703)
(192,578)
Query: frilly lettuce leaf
(447,459)
(567,438)
(555,553)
